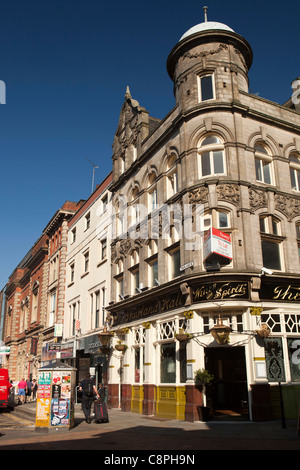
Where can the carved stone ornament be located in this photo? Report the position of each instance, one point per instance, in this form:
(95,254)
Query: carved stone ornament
(257,199)
(289,206)
(121,249)
(127,130)
(198,195)
(229,192)
(197,55)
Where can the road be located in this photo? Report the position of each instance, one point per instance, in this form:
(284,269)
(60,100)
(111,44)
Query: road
(131,433)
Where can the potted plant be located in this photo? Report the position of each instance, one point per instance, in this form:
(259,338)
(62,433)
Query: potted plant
(121,346)
(202,379)
(182,335)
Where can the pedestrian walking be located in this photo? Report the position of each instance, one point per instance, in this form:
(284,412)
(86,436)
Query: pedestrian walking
(89,391)
(22,387)
(28,391)
(34,389)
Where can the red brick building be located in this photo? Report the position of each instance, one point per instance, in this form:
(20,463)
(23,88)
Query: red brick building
(35,297)
(26,304)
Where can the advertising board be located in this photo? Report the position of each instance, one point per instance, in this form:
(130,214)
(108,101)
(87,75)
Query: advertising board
(217,243)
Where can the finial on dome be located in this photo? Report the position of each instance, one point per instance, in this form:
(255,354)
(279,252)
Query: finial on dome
(205,14)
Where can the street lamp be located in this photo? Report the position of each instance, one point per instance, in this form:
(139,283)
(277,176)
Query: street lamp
(105,337)
(221,332)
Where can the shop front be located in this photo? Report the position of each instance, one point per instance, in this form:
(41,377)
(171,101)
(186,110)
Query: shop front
(158,366)
(90,360)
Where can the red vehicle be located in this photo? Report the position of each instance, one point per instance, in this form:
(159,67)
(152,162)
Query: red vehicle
(6,390)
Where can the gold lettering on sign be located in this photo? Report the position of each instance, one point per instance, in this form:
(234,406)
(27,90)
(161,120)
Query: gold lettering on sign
(170,302)
(220,291)
(286,293)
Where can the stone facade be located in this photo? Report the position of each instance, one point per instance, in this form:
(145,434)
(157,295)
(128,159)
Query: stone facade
(87,276)
(221,158)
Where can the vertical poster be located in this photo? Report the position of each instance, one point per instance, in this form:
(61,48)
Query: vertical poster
(274,359)
(43,399)
(60,412)
(61,398)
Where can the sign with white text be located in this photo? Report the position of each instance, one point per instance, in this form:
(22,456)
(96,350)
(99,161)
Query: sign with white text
(217,243)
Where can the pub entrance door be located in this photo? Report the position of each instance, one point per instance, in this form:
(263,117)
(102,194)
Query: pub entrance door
(227,395)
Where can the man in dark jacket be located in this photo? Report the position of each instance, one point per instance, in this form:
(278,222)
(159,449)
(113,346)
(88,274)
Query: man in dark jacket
(88,392)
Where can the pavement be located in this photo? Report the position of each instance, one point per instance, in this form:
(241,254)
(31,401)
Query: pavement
(129,433)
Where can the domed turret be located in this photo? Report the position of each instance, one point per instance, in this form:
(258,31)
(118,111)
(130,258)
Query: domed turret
(210,62)
(207,25)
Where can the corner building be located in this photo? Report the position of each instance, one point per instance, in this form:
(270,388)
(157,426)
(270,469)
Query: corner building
(221,158)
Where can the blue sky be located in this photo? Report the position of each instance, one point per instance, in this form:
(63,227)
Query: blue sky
(66,65)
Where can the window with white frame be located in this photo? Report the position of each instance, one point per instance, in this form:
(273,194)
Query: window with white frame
(153,272)
(24,314)
(103,290)
(152,192)
(152,199)
(211,157)
(122,223)
(97,309)
(172,183)
(271,239)
(172,353)
(52,309)
(174,261)
(135,280)
(22,318)
(73,235)
(87,221)
(104,203)
(97,301)
(34,310)
(295,171)
(263,164)
(172,176)
(74,317)
(216,218)
(54,265)
(120,286)
(86,262)
(72,272)
(9,320)
(206,87)
(103,249)
(139,341)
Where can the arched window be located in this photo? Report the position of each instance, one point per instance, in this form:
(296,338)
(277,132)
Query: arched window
(172,177)
(134,208)
(152,192)
(263,164)
(295,171)
(211,157)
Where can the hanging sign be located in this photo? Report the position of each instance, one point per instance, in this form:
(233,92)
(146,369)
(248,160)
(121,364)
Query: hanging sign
(4,350)
(217,243)
(58,330)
